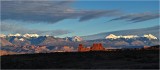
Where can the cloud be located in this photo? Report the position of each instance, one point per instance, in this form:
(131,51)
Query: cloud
(96,14)
(48,11)
(140,17)
(16,28)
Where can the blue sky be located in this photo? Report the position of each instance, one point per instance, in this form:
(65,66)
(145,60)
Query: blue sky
(76,18)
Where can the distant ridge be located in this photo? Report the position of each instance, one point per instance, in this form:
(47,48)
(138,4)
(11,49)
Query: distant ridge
(4,42)
(150,30)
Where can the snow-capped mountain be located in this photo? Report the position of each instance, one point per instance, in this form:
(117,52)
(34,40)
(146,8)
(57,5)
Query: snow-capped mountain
(2,35)
(14,34)
(30,35)
(77,38)
(150,36)
(74,38)
(140,32)
(21,39)
(20,42)
(19,35)
(112,36)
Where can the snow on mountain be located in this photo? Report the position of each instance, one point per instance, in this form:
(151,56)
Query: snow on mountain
(25,35)
(77,38)
(150,36)
(10,35)
(14,34)
(21,39)
(30,35)
(47,35)
(74,38)
(112,36)
(68,39)
(130,36)
(140,32)
(2,35)
(17,34)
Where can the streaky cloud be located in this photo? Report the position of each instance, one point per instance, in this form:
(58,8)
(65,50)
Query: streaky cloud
(139,17)
(101,13)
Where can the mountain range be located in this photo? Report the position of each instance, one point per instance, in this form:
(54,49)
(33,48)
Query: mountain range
(33,43)
(150,30)
(110,40)
(40,40)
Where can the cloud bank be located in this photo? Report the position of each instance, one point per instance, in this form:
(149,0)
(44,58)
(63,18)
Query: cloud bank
(48,11)
(55,11)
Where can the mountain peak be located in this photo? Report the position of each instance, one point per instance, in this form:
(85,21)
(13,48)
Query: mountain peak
(112,36)
(150,36)
(25,35)
(77,38)
(30,35)
(2,35)
(17,34)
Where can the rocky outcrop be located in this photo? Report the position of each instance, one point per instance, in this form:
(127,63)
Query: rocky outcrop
(94,47)
(81,48)
(97,47)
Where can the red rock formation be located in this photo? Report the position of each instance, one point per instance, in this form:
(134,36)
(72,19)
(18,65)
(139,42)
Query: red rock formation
(146,47)
(94,47)
(97,47)
(67,49)
(80,47)
(32,47)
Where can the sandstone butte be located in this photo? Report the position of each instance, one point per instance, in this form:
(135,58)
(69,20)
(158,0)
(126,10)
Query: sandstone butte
(94,47)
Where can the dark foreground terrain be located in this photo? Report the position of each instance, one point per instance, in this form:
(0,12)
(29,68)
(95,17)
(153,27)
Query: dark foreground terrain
(126,59)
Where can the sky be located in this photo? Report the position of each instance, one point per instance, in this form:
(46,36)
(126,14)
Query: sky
(69,18)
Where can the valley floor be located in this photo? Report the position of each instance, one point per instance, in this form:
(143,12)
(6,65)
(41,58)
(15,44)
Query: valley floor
(127,59)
